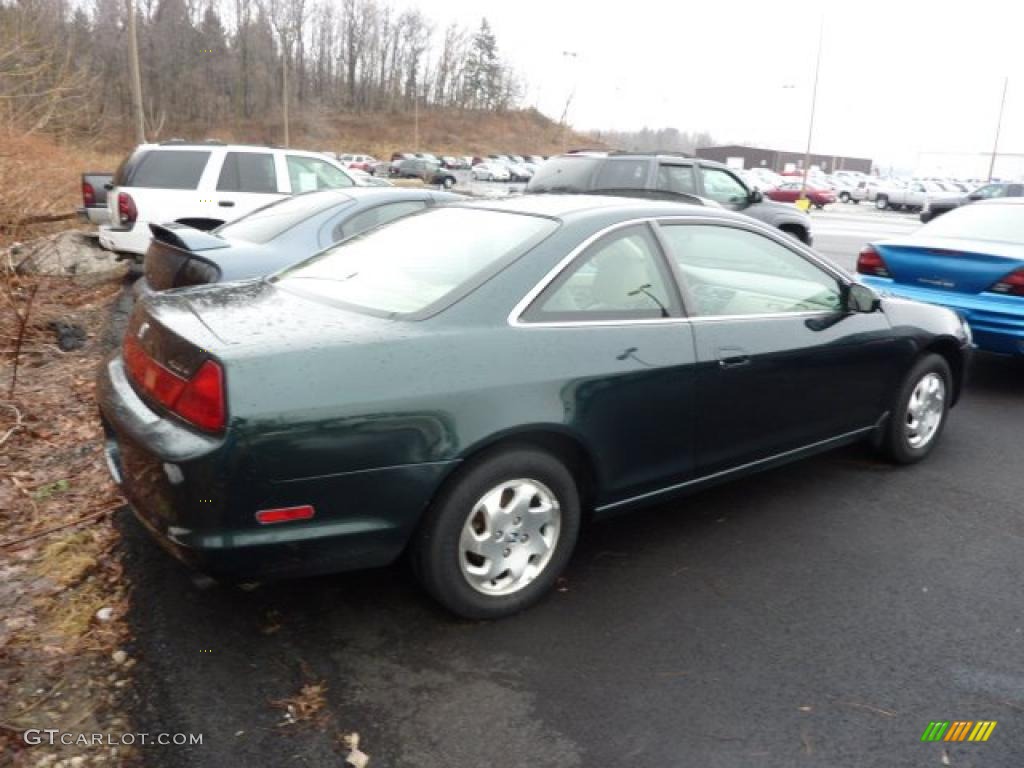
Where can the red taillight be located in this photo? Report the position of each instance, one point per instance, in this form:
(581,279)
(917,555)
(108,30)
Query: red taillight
(1012,284)
(126,209)
(284,514)
(870,262)
(199,400)
(88,194)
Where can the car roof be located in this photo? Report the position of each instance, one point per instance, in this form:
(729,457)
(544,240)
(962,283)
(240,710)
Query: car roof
(566,205)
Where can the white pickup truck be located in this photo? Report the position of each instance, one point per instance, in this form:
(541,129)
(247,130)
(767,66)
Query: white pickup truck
(911,196)
(205,185)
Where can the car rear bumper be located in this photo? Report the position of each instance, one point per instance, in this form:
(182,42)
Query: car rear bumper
(134,240)
(198,496)
(95,214)
(997,322)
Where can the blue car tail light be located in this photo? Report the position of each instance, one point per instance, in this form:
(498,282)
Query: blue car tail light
(870,262)
(1012,284)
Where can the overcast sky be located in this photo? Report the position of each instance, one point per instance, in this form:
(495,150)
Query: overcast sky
(898,78)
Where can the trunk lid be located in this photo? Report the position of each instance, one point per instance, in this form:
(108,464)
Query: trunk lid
(257,314)
(951,264)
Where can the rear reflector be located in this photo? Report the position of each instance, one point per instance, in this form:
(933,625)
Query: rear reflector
(284,514)
(1012,284)
(870,262)
(199,400)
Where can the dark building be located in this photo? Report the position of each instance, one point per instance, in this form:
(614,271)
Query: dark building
(777,160)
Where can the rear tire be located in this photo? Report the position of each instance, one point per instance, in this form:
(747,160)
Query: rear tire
(881,202)
(498,536)
(844,197)
(448,182)
(919,412)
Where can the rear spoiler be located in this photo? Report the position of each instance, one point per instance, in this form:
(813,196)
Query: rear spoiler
(186,238)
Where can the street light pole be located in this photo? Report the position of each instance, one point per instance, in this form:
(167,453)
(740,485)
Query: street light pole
(568,101)
(814,103)
(999,126)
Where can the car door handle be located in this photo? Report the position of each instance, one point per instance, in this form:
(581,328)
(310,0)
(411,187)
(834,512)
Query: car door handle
(226,203)
(732,358)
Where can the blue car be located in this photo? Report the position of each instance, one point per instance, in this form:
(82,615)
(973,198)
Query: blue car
(275,236)
(971,260)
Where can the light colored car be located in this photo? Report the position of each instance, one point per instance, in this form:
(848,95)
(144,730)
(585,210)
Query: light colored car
(912,196)
(490,172)
(205,185)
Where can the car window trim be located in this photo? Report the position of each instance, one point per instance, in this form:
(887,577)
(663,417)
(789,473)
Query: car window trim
(515,316)
(807,255)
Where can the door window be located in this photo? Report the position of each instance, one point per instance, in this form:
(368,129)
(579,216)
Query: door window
(248,172)
(723,187)
(374,217)
(728,271)
(309,174)
(677,179)
(622,174)
(621,277)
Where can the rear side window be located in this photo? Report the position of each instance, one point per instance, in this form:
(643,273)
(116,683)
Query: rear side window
(677,179)
(248,172)
(309,174)
(266,223)
(374,217)
(621,277)
(572,174)
(166,169)
(622,174)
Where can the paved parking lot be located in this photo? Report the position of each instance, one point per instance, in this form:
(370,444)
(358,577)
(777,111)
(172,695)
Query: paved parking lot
(815,615)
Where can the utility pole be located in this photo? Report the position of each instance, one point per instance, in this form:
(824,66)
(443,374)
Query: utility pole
(814,103)
(284,88)
(999,125)
(565,112)
(135,77)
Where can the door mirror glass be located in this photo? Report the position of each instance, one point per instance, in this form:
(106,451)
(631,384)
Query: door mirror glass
(860,298)
(756,196)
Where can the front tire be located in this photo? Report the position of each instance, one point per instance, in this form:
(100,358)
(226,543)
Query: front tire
(919,414)
(881,202)
(844,197)
(496,539)
(448,182)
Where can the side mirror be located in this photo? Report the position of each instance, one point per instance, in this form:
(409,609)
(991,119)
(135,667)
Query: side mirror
(860,298)
(755,196)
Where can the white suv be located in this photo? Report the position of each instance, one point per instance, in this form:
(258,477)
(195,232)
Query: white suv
(205,185)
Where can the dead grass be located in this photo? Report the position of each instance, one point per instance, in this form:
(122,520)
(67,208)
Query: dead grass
(449,131)
(68,560)
(40,177)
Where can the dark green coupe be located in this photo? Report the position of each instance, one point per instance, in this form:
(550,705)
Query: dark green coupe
(471,383)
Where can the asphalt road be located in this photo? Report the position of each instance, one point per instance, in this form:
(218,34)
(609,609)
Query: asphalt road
(820,614)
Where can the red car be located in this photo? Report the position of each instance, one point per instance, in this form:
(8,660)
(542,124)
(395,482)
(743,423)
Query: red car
(789,192)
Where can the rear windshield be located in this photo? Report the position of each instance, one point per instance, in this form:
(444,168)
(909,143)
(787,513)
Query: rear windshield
(162,169)
(270,221)
(999,223)
(566,174)
(417,261)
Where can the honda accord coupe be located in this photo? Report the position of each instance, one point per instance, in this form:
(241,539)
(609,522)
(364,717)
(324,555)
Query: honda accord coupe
(470,384)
